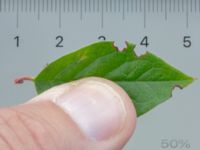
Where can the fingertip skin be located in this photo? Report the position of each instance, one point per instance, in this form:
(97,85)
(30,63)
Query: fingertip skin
(42,123)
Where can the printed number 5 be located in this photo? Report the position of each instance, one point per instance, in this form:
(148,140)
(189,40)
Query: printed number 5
(187,42)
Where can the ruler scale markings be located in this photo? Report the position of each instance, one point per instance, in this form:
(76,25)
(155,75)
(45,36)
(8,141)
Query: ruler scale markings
(42,5)
(149,6)
(187,14)
(0,5)
(98,6)
(93,6)
(115,6)
(89,5)
(183,6)
(174,5)
(199,5)
(38,10)
(131,6)
(127,5)
(17,21)
(60,11)
(30,5)
(123,10)
(165,9)
(77,4)
(81,10)
(119,6)
(174,8)
(136,5)
(157,5)
(54,8)
(22,5)
(111,6)
(34,5)
(161,1)
(47,6)
(106,5)
(56,5)
(102,13)
(144,13)
(26,6)
(9,6)
(72,5)
(153,5)
(4,6)
(85,6)
(64,5)
(68,5)
(195,6)
(51,5)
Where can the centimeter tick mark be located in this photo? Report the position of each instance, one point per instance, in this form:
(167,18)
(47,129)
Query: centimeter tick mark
(60,11)
(22,5)
(38,10)
(17,22)
(77,5)
(81,10)
(0,5)
(144,13)
(187,14)
(123,10)
(165,9)
(199,5)
(102,13)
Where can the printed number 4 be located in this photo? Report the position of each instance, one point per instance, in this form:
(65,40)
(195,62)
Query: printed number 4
(145,42)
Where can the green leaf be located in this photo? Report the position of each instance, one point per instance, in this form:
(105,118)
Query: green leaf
(147,79)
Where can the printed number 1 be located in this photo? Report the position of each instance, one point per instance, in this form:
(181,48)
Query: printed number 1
(17,41)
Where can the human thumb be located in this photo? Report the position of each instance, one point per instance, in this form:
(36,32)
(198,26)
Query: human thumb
(90,113)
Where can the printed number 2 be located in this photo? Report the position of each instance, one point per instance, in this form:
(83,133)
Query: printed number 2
(60,40)
(144,41)
(187,42)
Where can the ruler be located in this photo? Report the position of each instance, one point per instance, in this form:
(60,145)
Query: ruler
(101,7)
(36,32)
